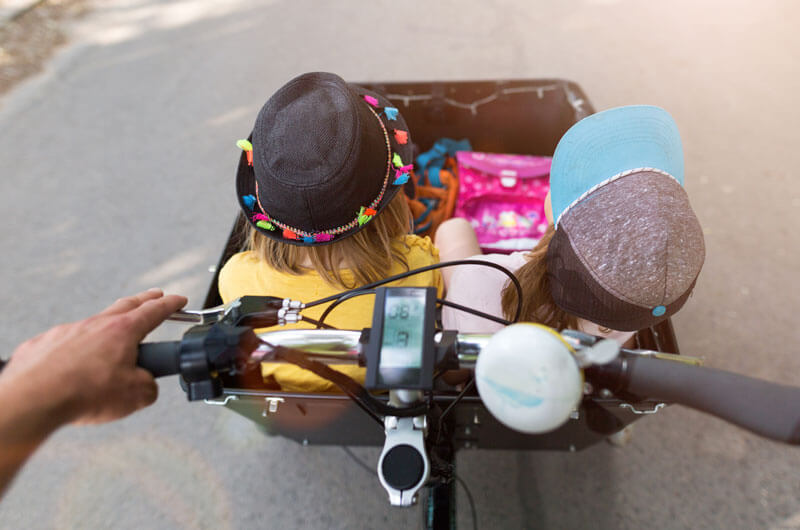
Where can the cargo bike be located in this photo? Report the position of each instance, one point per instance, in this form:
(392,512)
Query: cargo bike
(405,406)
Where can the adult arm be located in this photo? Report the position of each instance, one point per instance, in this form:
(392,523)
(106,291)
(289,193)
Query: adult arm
(83,372)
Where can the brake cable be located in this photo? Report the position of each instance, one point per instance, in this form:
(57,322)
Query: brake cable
(348,385)
(427,268)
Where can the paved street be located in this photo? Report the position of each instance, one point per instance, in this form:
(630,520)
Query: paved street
(116,174)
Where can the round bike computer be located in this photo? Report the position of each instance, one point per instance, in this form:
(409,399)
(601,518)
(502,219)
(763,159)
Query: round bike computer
(400,352)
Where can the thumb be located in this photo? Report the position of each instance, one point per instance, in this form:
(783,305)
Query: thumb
(144,387)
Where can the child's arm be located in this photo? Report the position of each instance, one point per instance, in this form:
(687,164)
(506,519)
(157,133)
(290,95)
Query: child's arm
(455,239)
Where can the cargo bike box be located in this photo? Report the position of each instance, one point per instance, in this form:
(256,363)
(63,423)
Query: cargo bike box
(509,116)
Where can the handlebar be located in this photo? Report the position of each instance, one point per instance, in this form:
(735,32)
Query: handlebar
(159,358)
(765,408)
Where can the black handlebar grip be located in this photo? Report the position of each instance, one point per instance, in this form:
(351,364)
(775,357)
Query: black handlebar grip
(765,408)
(159,358)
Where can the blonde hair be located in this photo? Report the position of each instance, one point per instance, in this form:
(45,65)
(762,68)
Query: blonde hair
(369,253)
(537,302)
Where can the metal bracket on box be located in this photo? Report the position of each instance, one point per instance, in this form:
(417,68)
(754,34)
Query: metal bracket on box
(271,405)
(656,408)
(221,403)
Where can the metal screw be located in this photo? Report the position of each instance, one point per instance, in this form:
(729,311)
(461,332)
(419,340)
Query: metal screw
(606,393)
(305,442)
(467,431)
(571,448)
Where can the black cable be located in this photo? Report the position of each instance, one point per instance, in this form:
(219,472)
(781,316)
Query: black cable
(458,398)
(466,309)
(318,323)
(362,291)
(406,274)
(471,501)
(321,322)
(347,295)
(347,384)
(358,460)
(313,367)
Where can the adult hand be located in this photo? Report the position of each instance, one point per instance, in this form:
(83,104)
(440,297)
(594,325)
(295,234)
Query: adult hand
(87,370)
(81,372)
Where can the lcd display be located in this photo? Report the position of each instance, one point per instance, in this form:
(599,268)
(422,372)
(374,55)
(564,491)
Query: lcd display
(403,327)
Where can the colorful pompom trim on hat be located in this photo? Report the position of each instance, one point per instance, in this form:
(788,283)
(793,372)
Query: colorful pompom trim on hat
(247,147)
(249,201)
(365,215)
(391,113)
(262,221)
(266,225)
(400,178)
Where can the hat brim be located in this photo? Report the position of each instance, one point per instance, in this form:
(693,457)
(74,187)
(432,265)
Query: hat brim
(246,178)
(609,143)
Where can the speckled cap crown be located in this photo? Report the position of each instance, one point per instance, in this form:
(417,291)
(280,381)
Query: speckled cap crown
(627,256)
(627,248)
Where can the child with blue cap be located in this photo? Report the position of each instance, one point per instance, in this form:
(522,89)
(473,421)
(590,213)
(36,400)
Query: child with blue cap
(624,249)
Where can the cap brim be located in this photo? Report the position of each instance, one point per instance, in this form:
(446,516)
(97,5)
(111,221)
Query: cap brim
(611,142)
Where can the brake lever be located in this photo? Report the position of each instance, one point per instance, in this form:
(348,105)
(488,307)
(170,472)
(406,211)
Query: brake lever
(201,317)
(246,308)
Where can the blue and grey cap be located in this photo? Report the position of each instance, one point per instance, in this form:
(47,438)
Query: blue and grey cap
(628,247)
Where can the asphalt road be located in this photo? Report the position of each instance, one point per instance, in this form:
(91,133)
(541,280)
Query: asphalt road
(116,174)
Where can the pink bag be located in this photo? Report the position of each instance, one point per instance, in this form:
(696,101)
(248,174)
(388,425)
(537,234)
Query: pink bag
(503,198)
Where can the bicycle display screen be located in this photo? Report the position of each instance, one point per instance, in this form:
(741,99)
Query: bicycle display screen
(401,337)
(403,322)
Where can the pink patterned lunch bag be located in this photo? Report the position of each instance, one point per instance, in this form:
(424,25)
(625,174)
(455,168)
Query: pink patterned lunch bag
(502,196)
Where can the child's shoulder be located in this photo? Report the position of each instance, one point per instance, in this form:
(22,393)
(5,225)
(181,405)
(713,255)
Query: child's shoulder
(247,258)
(420,247)
(241,265)
(236,276)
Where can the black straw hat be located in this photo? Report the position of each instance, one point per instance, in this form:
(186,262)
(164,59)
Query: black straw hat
(324,157)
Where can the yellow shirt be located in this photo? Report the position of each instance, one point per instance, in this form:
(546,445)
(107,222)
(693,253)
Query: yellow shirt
(245,274)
